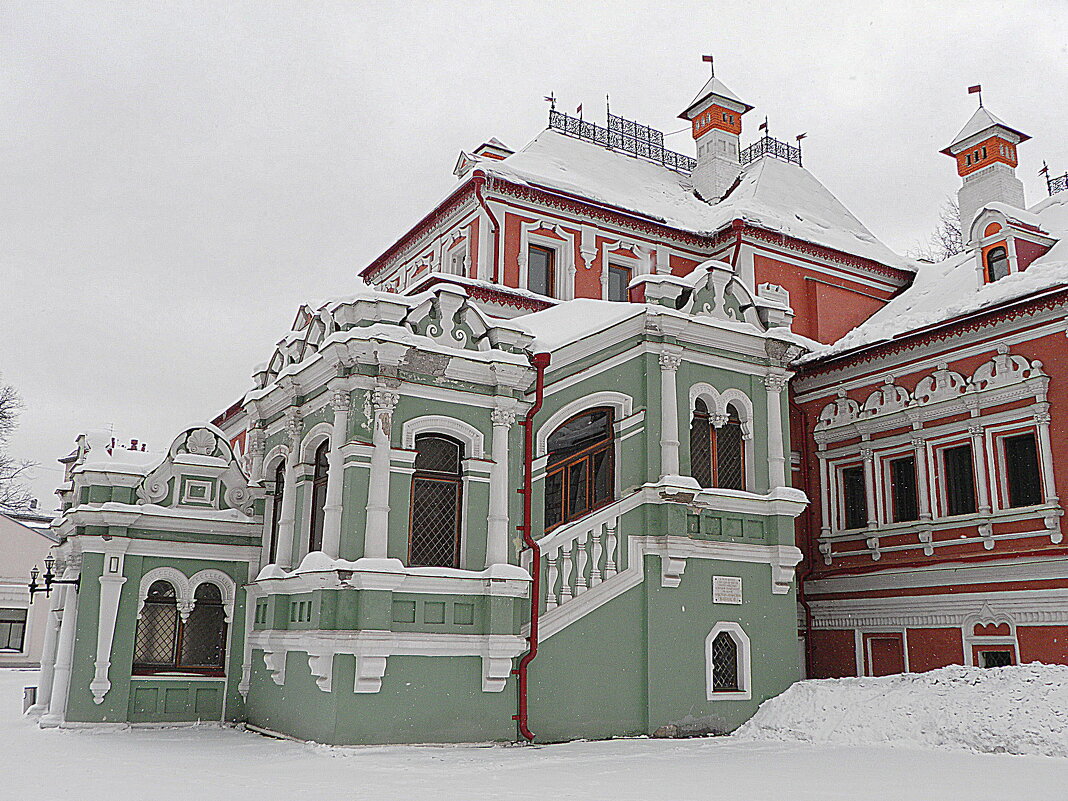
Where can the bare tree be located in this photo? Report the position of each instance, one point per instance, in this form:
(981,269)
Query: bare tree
(946,240)
(13,493)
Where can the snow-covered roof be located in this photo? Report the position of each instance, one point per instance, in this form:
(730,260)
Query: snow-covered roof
(980,121)
(574,320)
(949,289)
(715,87)
(771,194)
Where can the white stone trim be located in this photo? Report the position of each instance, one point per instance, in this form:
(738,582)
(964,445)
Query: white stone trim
(176,578)
(745,671)
(313,439)
(621,404)
(466,433)
(227,588)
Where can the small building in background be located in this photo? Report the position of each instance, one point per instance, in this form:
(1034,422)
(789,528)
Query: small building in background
(25,540)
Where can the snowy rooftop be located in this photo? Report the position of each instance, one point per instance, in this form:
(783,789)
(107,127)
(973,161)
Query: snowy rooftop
(949,289)
(980,121)
(771,194)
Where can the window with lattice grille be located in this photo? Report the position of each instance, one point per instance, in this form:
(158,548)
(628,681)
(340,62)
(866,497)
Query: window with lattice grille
(164,643)
(436,502)
(580,475)
(276,510)
(319,481)
(717,455)
(724,664)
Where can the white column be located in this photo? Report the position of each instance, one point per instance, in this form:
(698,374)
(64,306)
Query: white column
(256,450)
(335,477)
(376,534)
(1045,454)
(111,581)
(774,383)
(288,515)
(869,486)
(919,458)
(825,493)
(48,656)
(982,480)
(57,708)
(669,414)
(497,533)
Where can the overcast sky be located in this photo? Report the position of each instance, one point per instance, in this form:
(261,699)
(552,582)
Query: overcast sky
(176,178)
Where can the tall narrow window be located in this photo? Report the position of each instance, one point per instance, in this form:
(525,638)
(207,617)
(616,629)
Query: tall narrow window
(717,455)
(1022,472)
(437,494)
(997,264)
(319,480)
(960,480)
(724,664)
(12,629)
(618,282)
(203,635)
(155,645)
(541,270)
(854,497)
(276,510)
(903,489)
(580,475)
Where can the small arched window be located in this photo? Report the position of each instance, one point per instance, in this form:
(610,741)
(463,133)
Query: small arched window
(319,481)
(436,502)
(724,664)
(717,454)
(581,472)
(164,643)
(997,264)
(276,510)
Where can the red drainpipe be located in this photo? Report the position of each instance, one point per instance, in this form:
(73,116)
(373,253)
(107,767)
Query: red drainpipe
(737,225)
(809,534)
(540,362)
(480,181)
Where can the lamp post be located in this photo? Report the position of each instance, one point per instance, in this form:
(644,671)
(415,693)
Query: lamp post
(49,579)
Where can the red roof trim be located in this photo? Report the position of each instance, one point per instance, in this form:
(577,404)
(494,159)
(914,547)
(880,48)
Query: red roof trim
(500,296)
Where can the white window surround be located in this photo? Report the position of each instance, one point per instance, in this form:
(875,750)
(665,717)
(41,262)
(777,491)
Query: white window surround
(717,402)
(622,406)
(471,437)
(884,493)
(997,642)
(994,437)
(184,588)
(836,514)
(563,260)
(745,678)
(636,263)
(863,636)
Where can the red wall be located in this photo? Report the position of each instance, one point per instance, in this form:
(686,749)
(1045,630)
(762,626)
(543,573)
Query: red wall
(833,654)
(934,648)
(1043,644)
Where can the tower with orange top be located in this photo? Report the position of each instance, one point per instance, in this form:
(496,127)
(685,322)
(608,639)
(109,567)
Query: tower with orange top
(985,150)
(715,115)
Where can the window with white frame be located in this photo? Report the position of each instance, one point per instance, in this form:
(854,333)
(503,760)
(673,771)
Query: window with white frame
(728,669)
(12,629)
(956,471)
(619,276)
(456,261)
(1020,473)
(900,481)
(541,270)
(852,497)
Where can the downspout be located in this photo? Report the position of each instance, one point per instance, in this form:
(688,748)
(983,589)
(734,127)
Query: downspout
(737,226)
(808,534)
(480,181)
(540,361)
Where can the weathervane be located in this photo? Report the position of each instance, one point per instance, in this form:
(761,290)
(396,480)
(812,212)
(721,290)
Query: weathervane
(977,90)
(711,64)
(551,100)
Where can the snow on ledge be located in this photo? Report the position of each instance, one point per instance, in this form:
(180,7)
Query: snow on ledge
(319,562)
(1010,710)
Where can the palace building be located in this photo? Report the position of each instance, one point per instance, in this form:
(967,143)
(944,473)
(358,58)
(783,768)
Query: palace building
(597,439)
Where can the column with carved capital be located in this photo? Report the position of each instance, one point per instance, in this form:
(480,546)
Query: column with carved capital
(335,476)
(1045,453)
(256,450)
(775,383)
(497,533)
(288,515)
(982,480)
(919,459)
(376,534)
(669,414)
(869,485)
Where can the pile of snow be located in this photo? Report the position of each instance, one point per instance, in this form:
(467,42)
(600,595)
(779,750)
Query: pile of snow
(1011,710)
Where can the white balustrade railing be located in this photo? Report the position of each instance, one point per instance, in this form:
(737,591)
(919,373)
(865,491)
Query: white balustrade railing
(587,554)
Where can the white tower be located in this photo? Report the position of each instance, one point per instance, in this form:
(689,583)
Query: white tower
(716,116)
(985,150)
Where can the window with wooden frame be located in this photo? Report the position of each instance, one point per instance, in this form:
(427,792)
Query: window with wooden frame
(541,270)
(717,455)
(904,505)
(618,282)
(276,510)
(12,629)
(958,474)
(853,497)
(320,477)
(580,475)
(1023,477)
(997,264)
(164,643)
(436,502)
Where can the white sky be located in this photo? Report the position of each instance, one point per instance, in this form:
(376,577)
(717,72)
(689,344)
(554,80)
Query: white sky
(176,178)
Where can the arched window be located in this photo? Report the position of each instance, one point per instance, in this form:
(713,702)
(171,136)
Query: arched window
(165,643)
(997,264)
(581,473)
(724,664)
(728,663)
(276,510)
(437,500)
(717,455)
(319,479)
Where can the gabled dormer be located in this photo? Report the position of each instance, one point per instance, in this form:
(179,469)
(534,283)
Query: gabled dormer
(1005,240)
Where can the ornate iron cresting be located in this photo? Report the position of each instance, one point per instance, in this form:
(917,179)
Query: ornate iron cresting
(623,135)
(1057,184)
(770,146)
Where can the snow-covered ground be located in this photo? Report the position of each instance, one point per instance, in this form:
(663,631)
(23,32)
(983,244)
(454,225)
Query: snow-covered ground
(141,764)
(1011,710)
